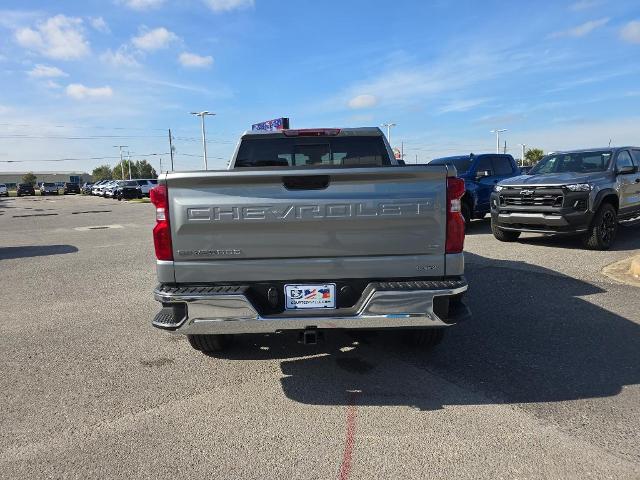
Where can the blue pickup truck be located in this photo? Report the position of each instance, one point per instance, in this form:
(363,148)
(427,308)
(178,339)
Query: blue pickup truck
(480,173)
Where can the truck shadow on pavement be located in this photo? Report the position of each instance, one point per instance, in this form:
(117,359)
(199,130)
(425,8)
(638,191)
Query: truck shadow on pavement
(533,337)
(628,237)
(7,253)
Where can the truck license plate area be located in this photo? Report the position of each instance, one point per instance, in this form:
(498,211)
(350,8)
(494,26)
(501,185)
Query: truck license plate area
(310,296)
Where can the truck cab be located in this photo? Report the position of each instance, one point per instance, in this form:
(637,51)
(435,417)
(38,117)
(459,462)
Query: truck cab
(480,174)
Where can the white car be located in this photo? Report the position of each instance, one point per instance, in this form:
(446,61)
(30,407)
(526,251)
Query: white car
(146,185)
(4,191)
(108,189)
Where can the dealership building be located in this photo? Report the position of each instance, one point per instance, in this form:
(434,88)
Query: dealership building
(11,179)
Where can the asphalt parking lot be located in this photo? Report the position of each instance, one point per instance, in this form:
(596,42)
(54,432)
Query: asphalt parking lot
(542,382)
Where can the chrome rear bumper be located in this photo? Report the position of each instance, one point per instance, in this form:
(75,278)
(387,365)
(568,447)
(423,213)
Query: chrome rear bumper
(227,310)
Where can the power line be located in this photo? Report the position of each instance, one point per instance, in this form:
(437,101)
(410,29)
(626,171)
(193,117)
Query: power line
(91,137)
(80,159)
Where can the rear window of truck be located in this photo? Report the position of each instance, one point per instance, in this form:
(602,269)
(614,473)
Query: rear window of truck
(312,152)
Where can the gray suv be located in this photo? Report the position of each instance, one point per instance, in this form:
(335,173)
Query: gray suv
(582,192)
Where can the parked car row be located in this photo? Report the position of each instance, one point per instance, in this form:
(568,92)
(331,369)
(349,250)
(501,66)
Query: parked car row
(120,189)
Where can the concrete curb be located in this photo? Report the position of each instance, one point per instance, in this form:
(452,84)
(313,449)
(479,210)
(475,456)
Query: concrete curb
(625,271)
(634,269)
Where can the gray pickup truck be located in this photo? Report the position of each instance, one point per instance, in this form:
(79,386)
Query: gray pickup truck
(584,192)
(309,230)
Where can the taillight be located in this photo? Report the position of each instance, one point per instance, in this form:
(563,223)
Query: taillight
(455,220)
(312,132)
(161,232)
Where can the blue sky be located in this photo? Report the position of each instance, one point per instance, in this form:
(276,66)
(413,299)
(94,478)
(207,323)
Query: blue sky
(77,78)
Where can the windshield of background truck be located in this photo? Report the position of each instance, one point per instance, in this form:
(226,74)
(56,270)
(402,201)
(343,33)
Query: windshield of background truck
(577,162)
(312,152)
(462,164)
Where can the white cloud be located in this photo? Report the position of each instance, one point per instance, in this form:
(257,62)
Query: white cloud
(154,39)
(58,37)
(584,5)
(120,58)
(631,32)
(362,101)
(46,71)
(581,30)
(99,24)
(228,5)
(142,4)
(80,92)
(53,85)
(462,105)
(195,61)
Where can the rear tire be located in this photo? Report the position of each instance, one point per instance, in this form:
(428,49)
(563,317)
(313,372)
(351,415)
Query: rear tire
(209,343)
(466,213)
(504,235)
(603,229)
(424,338)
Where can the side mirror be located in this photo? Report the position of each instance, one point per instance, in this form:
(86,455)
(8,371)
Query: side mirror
(627,169)
(484,173)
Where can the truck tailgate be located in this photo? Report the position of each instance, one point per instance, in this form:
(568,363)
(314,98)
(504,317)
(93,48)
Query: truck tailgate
(270,224)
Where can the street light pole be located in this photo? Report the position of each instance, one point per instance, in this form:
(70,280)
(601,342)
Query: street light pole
(120,147)
(522,158)
(204,137)
(389,125)
(498,132)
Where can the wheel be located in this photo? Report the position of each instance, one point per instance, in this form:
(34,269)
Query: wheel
(18,195)
(425,338)
(467,214)
(209,343)
(603,229)
(504,235)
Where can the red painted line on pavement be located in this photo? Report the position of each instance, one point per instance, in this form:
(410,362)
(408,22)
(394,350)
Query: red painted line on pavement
(347,456)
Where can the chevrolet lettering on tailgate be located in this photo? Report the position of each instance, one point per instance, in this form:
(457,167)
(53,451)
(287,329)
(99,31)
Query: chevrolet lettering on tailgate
(310,211)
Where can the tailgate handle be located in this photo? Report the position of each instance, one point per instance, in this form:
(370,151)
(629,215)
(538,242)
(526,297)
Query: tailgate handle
(307,182)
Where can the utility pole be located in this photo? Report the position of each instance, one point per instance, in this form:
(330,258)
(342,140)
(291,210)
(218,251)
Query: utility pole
(171,148)
(505,147)
(204,137)
(498,132)
(161,165)
(389,125)
(120,147)
(416,158)
(523,149)
(129,162)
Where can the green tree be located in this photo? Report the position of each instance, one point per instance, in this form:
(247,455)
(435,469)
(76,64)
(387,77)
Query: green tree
(103,172)
(29,178)
(145,170)
(533,156)
(117,170)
